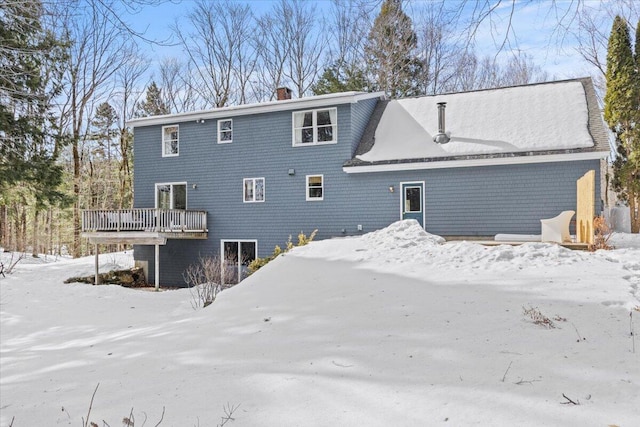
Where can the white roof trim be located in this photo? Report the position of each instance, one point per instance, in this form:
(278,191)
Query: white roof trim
(445,164)
(263,107)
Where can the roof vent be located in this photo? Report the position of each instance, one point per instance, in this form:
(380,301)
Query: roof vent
(441,137)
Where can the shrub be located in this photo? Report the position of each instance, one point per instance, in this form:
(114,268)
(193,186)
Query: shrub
(602,234)
(258,263)
(205,280)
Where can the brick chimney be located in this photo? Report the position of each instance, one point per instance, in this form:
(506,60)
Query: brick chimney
(283,93)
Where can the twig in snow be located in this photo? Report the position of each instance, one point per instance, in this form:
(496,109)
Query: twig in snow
(633,336)
(569,400)
(12,419)
(580,337)
(522,381)
(538,318)
(505,372)
(130,421)
(86,423)
(228,411)
(340,365)
(162,417)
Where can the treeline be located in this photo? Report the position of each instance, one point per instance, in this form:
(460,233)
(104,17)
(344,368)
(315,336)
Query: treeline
(73,71)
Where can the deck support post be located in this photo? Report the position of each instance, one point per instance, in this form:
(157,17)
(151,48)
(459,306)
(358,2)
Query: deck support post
(97,279)
(157,267)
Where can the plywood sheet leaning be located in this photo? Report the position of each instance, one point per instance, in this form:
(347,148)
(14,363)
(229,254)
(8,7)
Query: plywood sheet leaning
(585,211)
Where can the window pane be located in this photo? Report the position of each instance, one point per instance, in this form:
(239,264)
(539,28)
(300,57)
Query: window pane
(259,190)
(248,190)
(180,196)
(164,197)
(225,136)
(324,118)
(308,119)
(231,251)
(225,125)
(412,199)
(248,252)
(325,133)
(307,135)
(315,193)
(315,180)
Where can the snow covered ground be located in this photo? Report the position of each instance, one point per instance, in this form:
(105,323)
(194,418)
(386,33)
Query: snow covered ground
(393,328)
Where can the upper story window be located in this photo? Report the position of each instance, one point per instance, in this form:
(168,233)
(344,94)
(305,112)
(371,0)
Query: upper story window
(315,187)
(315,127)
(225,131)
(253,190)
(170,141)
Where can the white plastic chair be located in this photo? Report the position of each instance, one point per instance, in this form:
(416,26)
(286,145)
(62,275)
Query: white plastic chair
(556,229)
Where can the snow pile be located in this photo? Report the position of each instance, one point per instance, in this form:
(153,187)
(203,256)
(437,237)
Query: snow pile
(390,328)
(625,240)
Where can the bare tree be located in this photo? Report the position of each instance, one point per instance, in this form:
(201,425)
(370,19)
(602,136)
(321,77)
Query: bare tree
(441,49)
(129,79)
(307,44)
(176,80)
(98,51)
(273,43)
(350,24)
(219,51)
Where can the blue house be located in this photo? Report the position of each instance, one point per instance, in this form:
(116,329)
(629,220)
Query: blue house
(239,180)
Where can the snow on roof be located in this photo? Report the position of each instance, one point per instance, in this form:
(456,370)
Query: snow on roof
(516,119)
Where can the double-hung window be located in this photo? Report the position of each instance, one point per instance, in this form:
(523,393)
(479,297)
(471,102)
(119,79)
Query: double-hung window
(225,131)
(170,141)
(253,190)
(315,127)
(315,187)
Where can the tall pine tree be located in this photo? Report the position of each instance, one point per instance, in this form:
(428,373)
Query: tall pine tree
(390,51)
(30,74)
(622,114)
(153,105)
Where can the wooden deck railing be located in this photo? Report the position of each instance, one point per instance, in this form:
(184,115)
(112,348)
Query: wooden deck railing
(158,220)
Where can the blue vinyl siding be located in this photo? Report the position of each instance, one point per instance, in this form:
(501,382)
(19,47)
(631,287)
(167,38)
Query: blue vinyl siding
(360,114)
(477,201)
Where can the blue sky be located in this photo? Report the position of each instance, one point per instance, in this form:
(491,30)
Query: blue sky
(533,26)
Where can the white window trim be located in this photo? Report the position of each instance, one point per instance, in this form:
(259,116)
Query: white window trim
(219,131)
(315,128)
(264,192)
(314,199)
(419,184)
(163,141)
(186,195)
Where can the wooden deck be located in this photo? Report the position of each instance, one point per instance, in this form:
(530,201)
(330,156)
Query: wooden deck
(126,225)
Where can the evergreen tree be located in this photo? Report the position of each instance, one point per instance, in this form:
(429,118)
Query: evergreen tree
(622,114)
(390,51)
(153,105)
(31,61)
(105,123)
(340,79)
